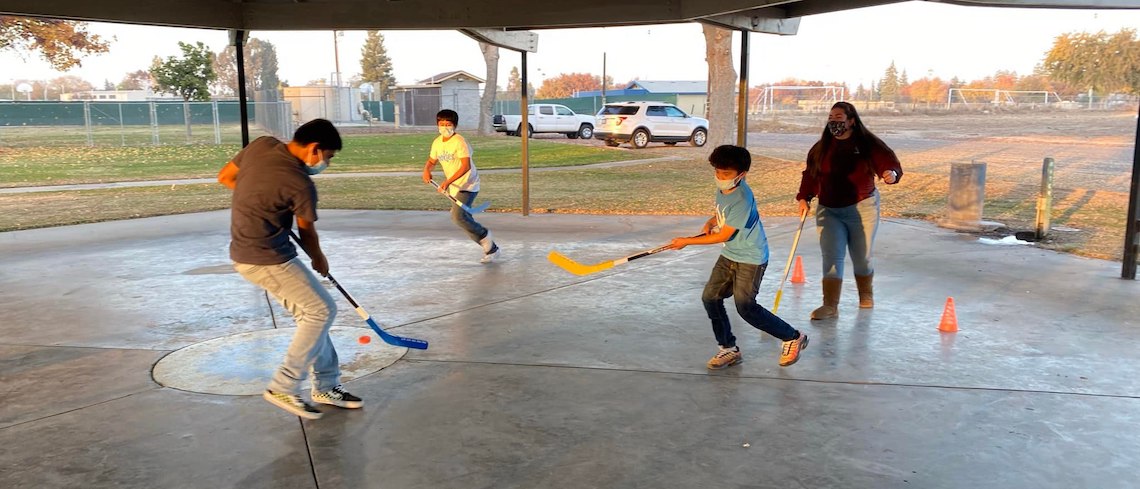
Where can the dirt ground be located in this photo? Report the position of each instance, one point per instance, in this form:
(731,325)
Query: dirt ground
(1092,153)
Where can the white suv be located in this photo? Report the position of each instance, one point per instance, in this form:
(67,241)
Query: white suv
(640,123)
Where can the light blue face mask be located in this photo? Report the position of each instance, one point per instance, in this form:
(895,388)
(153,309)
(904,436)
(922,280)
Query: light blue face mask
(725,185)
(446,131)
(317,168)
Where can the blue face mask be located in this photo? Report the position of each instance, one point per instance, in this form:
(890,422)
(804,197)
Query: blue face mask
(317,168)
(446,131)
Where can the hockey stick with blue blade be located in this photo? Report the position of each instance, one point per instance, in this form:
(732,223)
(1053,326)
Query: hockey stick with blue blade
(388,338)
(470,210)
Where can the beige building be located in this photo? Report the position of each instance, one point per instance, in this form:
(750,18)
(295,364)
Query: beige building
(455,90)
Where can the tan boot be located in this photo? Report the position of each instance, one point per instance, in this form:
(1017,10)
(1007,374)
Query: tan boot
(866,295)
(830,308)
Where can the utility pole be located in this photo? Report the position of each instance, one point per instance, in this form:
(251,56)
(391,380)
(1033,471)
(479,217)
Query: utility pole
(336,58)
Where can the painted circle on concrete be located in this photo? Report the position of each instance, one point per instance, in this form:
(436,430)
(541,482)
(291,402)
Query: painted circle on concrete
(241,364)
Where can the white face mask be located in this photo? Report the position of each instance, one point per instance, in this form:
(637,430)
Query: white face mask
(724,185)
(446,131)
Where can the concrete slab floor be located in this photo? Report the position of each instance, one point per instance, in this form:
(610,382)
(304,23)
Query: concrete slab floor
(538,378)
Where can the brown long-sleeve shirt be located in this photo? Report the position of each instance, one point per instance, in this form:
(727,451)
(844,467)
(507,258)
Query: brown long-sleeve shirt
(845,176)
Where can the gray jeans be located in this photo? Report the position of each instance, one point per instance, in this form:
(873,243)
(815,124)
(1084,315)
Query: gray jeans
(848,228)
(463,219)
(313,309)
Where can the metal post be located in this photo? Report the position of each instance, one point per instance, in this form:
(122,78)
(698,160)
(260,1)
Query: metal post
(154,139)
(217,124)
(239,45)
(87,122)
(336,59)
(1045,199)
(524,132)
(1131,226)
(189,120)
(603,83)
(742,97)
(122,136)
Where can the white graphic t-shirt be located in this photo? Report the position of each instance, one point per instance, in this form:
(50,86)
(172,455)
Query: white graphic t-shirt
(450,156)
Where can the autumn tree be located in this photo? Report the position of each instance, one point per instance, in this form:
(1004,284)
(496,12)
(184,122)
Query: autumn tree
(376,66)
(928,90)
(260,68)
(135,80)
(1004,80)
(61,42)
(1102,62)
(567,84)
(72,84)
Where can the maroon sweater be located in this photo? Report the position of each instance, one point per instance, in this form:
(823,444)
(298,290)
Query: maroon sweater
(845,176)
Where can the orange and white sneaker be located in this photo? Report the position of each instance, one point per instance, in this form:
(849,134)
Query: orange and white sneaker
(725,358)
(791,350)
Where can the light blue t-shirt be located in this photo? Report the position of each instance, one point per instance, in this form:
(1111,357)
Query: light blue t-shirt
(738,209)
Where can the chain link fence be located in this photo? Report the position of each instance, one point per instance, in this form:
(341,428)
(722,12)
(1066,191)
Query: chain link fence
(90,123)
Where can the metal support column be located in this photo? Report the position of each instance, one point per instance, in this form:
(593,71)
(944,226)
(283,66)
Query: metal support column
(742,98)
(524,132)
(239,45)
(1131,226)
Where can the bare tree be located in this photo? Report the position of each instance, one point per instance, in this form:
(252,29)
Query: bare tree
(722,85)
(490,87)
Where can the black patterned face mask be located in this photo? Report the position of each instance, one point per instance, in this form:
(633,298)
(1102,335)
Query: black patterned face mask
(837,128)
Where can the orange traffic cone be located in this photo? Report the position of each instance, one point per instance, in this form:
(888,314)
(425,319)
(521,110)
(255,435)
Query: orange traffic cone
(798,273)
(949,322)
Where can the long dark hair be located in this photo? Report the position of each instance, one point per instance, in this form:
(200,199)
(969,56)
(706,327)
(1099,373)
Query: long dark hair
(865,141)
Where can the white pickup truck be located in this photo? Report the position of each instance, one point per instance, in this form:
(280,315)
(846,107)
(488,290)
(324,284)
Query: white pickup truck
(547,118)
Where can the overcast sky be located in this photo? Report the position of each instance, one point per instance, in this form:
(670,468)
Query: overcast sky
(853,47)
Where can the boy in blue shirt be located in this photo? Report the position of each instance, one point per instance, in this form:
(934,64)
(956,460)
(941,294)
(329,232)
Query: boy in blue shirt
(741,265)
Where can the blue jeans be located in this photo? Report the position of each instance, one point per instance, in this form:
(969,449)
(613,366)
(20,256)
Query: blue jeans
(741,281)
(848,228)
(313,309)
(463,219)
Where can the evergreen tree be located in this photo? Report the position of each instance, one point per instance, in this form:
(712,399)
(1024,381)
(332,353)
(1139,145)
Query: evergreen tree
(889,85)
(514,84)
(376,66)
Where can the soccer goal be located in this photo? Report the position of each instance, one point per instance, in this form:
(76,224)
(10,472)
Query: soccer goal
(974,97)
(796,98)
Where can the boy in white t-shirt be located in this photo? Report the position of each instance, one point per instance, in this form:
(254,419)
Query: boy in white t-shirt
(453,153)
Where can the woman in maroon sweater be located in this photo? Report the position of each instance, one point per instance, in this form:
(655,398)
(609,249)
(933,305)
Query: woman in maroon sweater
(841,170)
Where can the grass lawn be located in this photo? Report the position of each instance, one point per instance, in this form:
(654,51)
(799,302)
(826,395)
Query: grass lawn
(672,187)
(55,165)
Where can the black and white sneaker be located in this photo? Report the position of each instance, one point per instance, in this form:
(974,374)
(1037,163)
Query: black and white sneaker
(492,255)
(292,403)
(338,397)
